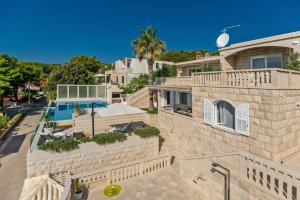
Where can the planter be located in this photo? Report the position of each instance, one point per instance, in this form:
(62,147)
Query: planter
(78,195)
(48,130)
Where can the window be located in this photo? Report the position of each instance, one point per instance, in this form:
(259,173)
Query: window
(117,79)
(122,79)
(225,114)
(267,61)
(128,64)
(194,70)
(156,65)
(183,98)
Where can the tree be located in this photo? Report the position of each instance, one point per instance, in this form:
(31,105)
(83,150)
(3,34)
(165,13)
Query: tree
(293,62)
(69,73)
(149,46)
(90,63)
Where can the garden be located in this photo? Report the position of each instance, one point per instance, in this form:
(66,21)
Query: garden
(64,145)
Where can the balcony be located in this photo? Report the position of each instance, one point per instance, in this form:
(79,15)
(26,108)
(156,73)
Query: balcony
(174,81)
(270,78)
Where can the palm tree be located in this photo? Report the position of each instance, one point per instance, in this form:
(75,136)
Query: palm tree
(149,46)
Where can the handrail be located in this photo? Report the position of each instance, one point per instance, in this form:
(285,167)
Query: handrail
(66,194)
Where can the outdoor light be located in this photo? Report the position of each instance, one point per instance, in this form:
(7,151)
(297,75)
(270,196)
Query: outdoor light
(93,118)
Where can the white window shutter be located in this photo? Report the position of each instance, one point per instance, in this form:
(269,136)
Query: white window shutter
(208,112)
(242,119)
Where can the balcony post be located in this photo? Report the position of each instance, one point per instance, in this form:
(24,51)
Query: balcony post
(274,78)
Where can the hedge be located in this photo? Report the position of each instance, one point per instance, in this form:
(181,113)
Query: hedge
(60,145)
(148,131)
(109,138)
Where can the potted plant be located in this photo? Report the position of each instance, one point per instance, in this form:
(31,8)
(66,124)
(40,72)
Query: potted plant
(76,110)
(49,126)
(78,192)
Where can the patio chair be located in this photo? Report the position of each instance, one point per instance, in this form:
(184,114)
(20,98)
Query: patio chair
(123,129)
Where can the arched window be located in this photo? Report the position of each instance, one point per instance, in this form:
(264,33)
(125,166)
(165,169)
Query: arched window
(123,79)
(225,114)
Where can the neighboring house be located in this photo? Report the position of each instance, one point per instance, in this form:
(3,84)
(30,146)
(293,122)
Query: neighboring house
(252,104)
(129,68)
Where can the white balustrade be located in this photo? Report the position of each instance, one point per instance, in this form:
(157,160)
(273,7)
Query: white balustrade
(259,78)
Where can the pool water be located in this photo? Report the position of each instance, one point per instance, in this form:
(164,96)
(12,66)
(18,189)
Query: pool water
(64,110)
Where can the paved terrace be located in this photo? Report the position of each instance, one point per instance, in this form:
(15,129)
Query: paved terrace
(162,185)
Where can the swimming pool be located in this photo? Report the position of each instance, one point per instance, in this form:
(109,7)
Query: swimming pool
(64,110)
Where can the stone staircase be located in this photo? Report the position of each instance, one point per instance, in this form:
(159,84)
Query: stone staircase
(139,99)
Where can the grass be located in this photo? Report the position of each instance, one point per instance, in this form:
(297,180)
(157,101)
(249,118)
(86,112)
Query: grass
(146,132)
(109,138)
(152,112)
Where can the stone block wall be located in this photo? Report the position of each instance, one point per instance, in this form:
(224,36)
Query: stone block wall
(241,60)
(274,117)
(91,156)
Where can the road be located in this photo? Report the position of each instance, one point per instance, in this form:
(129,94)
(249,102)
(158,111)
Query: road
(13,155)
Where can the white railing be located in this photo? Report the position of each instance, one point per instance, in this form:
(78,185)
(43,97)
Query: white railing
(125,171)
(270,176)
(67,192)
(48,190)
(259,78)
(183,80)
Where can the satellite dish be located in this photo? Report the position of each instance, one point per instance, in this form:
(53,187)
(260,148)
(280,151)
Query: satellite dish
(222,40)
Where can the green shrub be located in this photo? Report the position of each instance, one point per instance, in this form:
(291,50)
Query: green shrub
(15,118)
(3,121)
(60,145)
(148,131)
(84,139)
(109,138)
(135,84)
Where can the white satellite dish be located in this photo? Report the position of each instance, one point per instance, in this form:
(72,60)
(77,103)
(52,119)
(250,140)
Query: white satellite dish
(222,40)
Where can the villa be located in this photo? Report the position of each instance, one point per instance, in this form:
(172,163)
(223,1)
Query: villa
(229,129)
(128,68)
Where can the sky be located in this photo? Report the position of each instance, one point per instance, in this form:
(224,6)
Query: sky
(53,31)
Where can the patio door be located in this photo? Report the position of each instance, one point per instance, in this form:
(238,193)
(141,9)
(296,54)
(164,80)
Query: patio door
(168,97)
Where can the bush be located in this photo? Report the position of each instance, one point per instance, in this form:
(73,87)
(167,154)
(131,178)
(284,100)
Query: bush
(166,71)
(109,138)
(148,131)
(3,121)
(15,118)
(60,145)
(136,84)
(84,139)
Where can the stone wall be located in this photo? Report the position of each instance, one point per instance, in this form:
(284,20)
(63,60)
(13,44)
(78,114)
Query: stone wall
(273,121)
(91,156)
(211,185)
(241,60)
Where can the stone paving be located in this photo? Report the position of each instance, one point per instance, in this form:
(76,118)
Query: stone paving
(13,156)
(162,185)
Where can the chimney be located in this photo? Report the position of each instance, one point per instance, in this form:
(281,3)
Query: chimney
(199,55)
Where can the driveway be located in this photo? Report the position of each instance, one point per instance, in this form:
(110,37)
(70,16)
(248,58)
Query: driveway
(13,155)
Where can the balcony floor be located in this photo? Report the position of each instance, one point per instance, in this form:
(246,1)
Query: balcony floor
(162,185)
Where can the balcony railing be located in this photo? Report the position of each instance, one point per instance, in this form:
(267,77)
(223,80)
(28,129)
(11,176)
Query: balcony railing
(259,78)
(184,81)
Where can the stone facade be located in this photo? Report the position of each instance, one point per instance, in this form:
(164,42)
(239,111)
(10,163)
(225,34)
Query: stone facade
(273,121)
(91,156)
(241,60)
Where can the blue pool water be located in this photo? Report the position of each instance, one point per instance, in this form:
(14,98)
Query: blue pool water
(64,110)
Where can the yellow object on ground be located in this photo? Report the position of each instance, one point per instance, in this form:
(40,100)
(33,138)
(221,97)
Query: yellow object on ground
(112,190)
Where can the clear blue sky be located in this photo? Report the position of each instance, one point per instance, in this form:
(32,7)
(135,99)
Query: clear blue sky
(53,31)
